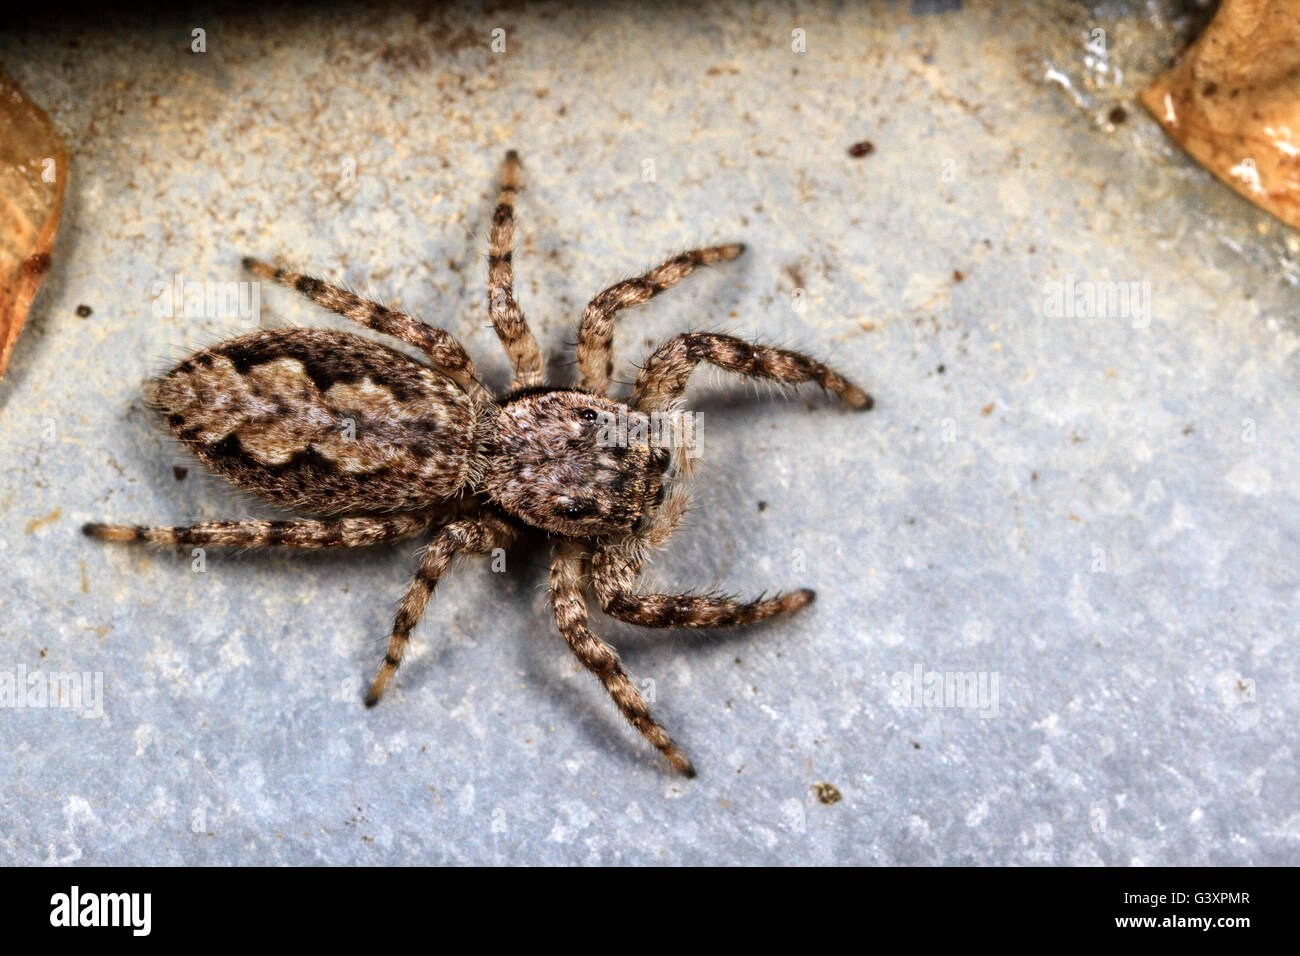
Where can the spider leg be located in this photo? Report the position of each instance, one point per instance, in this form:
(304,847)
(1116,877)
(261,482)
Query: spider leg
(693,610)
(663,378)
(444,352)
(340,533)
(476,536)
(595,334)
(507,318)
(600,658)
(613,578)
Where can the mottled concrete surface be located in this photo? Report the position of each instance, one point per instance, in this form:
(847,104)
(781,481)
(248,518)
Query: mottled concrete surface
(1099,513)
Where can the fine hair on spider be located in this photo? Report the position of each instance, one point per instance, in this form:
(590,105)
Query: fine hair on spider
(371,445)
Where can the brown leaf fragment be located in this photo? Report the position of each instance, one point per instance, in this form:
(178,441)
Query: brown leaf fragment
(33,173)
(1233,102)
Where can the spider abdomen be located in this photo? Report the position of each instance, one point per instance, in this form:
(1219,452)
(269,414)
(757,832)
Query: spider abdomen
(322,421)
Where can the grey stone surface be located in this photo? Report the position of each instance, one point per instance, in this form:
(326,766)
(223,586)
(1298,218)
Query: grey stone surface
(1100,513)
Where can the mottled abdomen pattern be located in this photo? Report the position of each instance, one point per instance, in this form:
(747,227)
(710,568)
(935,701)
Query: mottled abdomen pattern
(323,421)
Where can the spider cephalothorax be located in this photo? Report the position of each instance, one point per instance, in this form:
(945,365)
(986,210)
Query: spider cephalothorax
(548,464)
(384,447)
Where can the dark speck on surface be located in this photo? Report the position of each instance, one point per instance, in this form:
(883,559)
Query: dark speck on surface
(84,311)
(827,793)
(864,148)
(180,472)
(1117,115)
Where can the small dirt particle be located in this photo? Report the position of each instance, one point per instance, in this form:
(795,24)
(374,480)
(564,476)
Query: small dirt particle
(827,793)
(987,409)
(762,506)
(958,275)
(864,148)
(85,311)
(1117,115)
(179,472)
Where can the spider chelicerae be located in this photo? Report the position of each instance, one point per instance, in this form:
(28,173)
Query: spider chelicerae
(380,447)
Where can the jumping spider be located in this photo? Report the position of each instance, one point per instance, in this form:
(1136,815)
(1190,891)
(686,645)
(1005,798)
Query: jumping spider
(383,447)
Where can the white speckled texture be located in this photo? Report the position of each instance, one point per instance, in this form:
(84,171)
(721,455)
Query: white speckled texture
(1112,529)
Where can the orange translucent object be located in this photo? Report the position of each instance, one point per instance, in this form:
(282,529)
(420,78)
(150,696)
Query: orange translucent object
(33,172)
(1233,102)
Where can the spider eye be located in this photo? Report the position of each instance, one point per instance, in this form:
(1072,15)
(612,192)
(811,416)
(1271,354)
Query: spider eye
(576,510)
(588,414)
